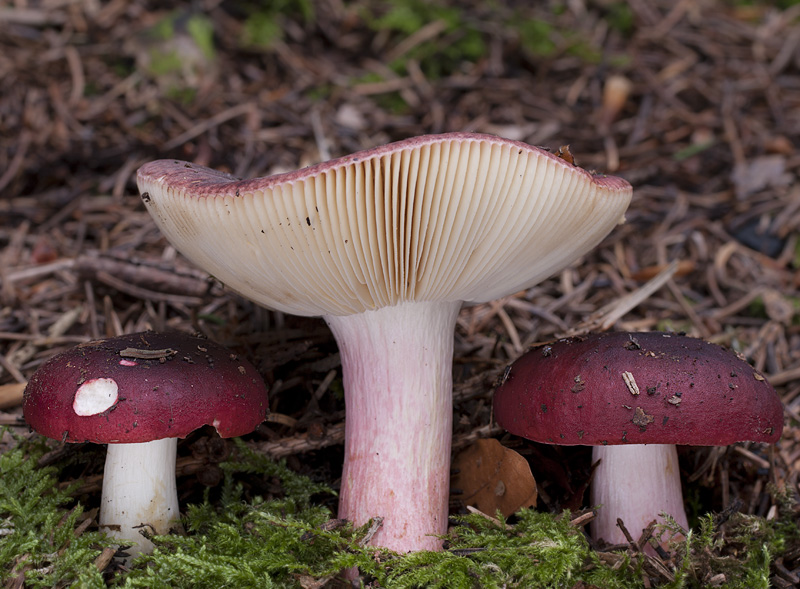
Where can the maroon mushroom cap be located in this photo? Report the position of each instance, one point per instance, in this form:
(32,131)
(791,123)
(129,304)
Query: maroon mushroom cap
(637,388)
(143,387)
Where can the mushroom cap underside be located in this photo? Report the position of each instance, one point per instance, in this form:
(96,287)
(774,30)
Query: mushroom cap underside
(142,387)
(637,388)
(453,217)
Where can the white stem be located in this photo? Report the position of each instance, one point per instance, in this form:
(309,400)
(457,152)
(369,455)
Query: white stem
(397,364)
(635,483)
(139,490)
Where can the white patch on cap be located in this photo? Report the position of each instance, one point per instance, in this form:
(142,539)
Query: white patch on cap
(95,396)
(128,363)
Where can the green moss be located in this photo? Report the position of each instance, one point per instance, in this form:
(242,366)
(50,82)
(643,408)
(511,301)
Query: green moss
(201,30)
(741,547)
(542,39)
(38,522)
(261,29)
(320,93)
(460,41)
(539,550)
(391,102)
(537,37)
(407,17)
(620,17)
(299,489)
(165,62)
(164,29)
(236,540)
(757,308)
(584,50)
(262,26)
(182,95)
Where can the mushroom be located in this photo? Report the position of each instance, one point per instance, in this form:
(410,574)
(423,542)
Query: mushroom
(386,245)
(139,393)
(633,396)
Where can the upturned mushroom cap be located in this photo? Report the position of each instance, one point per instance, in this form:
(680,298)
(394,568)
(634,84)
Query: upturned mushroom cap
(637,388)
(453,217)
(143,387)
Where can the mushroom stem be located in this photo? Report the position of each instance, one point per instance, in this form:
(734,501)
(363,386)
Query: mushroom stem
(397,364)
(139,492)
(635,483)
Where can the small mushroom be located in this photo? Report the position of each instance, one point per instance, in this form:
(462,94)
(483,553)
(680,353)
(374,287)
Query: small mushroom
(386,245)
(643,393)
(139,393)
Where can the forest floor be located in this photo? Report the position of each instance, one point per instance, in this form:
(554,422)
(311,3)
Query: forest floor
(696,104)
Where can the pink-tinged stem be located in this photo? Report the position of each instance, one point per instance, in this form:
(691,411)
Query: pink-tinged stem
(635,483)
(397,364)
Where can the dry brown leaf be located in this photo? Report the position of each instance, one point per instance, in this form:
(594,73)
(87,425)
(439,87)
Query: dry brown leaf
(492,477)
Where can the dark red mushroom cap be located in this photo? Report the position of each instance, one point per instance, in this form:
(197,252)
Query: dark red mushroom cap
(143,387)
(637,388)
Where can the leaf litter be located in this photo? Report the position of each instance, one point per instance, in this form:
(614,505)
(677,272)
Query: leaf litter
(696,104)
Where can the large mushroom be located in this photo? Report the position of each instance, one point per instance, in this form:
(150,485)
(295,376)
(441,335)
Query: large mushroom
(386,245)
(633,396)
(139,393)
